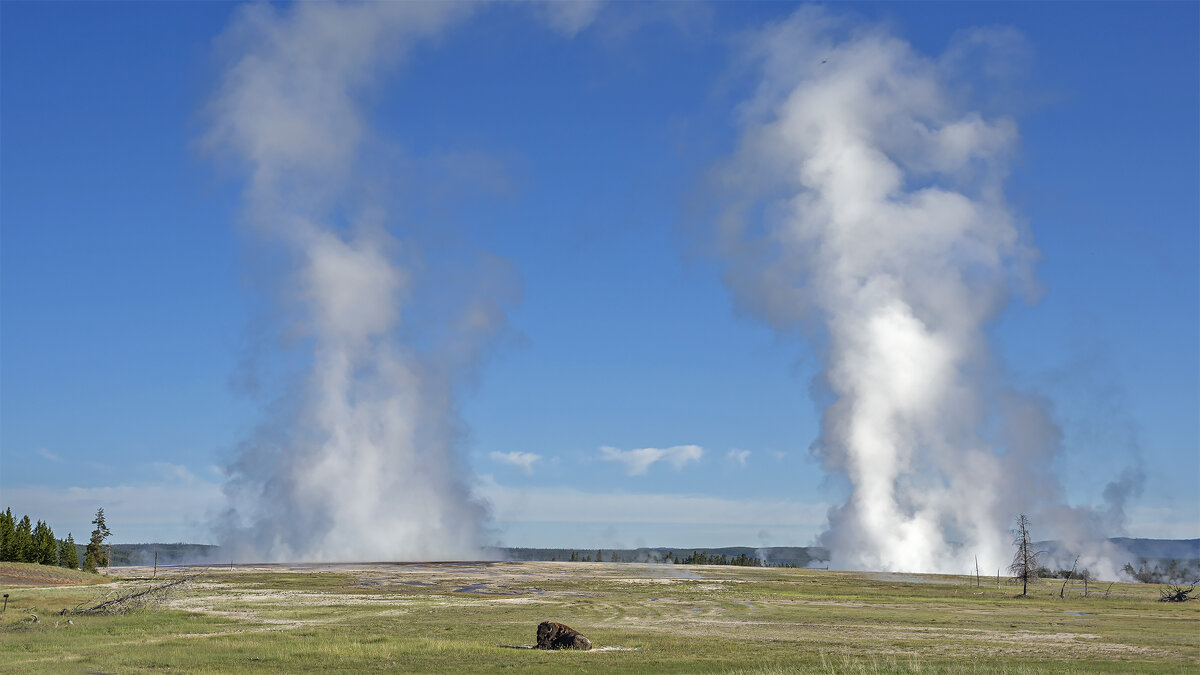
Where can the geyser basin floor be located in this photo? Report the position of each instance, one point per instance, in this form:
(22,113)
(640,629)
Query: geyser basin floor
(409,617)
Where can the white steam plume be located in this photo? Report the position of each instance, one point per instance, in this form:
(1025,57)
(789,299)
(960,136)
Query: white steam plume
(871,214)
(362,465)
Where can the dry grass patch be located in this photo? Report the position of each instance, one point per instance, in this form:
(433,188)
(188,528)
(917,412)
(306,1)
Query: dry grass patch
(30,574)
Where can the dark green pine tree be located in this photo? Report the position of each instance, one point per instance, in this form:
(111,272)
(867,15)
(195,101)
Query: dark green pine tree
(8,536)
(95,556)
(68,556)
(23,544)
(45,546)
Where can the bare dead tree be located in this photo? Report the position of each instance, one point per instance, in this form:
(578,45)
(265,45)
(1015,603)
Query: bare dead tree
(1063,590)
(1025,560)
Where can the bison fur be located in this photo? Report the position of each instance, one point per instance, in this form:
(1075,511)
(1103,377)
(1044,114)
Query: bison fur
(552,635)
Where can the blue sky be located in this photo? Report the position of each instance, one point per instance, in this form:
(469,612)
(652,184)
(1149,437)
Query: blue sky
(132,299)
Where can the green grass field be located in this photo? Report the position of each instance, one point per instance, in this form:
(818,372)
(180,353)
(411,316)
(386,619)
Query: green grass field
(453,618)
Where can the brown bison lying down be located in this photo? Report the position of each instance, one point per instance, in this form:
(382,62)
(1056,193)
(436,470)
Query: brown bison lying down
(551,635)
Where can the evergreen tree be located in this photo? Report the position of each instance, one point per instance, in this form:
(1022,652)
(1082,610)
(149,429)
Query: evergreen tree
(8,536)
(67,555)
(23,541)
(95,555)
(599,555)
(45,546)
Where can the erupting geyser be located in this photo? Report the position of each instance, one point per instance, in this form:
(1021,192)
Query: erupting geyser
(362,464)
(870,211)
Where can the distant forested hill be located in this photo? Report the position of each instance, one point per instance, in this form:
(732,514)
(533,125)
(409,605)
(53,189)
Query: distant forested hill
(1135,548)
(1160,548)
(168,554)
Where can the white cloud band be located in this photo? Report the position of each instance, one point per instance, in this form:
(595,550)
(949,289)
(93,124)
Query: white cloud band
(637,462)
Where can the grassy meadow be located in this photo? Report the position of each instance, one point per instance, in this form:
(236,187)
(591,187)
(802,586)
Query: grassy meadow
(26,574)
(455,617)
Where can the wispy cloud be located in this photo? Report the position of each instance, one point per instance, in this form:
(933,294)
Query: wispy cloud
(569,18)
(637,462)
(47,455)
(521,460)
(544,504)
(168,472)
(170,506)
(739,456)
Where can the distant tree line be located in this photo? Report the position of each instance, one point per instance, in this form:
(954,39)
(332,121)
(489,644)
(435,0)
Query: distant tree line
(21,541)
(668,557)
(1175,571)
(1064,573)
(794,557)
(704,558)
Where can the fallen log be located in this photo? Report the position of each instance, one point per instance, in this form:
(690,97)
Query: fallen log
(1174,593)
(125,600)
